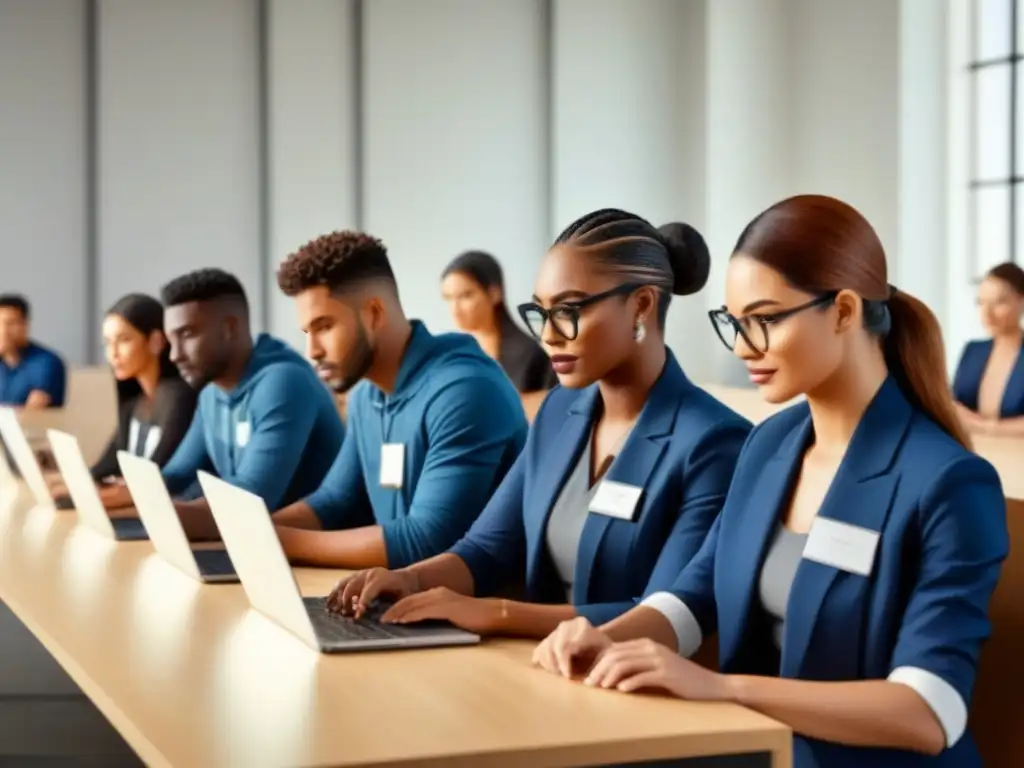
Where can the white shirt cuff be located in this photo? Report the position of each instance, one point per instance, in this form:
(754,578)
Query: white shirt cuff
(940,696)
(684,623)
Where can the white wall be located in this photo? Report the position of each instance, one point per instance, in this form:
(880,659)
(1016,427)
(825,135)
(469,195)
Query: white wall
(454,139)
(312,70)
(178,143)
(43,230)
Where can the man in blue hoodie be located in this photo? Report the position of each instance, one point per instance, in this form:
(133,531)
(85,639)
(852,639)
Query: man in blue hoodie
(431,432)
(264,421)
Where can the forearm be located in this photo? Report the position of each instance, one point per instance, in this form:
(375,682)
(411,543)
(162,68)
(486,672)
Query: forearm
(867,713)
(37,399)
(1013,427)
(298,515)
(642,622)
(531,620)
(356,548)
(445,570)
(197,520)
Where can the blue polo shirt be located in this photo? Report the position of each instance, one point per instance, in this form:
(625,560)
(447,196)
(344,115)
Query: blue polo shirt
(39,368)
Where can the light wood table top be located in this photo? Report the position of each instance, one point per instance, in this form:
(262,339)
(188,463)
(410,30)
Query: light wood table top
(1007,455)
(192,677)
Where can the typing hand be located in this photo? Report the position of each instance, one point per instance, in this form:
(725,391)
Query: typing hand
(470,613)
(575,644)
(644,664)
(354,595)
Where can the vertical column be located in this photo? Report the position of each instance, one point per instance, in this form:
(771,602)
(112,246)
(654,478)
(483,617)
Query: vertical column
(921,255)
(454,127)
(313,141)
(179,143)
(628,103)
(43,185)
(749,128)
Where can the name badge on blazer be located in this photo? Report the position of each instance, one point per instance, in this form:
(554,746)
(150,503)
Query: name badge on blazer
(849,548)
(243,431)
(616,499)
(392,465)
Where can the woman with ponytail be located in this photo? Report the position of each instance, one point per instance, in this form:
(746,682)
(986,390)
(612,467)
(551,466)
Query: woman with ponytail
(474,287)
(849,574)
(624,470)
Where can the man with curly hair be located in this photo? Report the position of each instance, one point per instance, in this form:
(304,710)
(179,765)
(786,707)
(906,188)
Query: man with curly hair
(432,430)
(264,421)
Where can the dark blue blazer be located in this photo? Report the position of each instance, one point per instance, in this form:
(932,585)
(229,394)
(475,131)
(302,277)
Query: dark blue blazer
(967,381)
(942,517)
(682,452)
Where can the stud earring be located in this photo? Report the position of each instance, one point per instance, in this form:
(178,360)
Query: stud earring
(639,331)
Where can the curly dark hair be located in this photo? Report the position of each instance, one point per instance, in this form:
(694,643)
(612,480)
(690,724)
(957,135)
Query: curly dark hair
(336,260)
(203,285)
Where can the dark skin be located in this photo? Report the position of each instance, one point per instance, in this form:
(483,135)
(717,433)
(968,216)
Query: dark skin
(210,342)
(606,352)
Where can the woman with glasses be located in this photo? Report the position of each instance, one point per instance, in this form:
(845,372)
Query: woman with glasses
(474,288)
(989,382)
(849,574)
(624,470)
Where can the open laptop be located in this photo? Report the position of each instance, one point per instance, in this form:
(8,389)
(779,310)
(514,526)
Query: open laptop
(85,497)
(25,462)
(248,532)
(156,509)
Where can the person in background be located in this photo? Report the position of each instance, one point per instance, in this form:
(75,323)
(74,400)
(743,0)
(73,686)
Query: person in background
(474,287)
(849,574)
(154,404)
(627,464)
(30,374)
(989,381)
(433,429)
(264,421)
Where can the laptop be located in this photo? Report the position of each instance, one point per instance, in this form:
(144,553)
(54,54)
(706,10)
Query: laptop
(248,532)
(156,509)
(84,496)
(26,463)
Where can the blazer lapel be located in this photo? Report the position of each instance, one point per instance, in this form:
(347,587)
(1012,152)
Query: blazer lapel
(633,466)
(752,531)
(556,462)
(860,494)
(1013,396)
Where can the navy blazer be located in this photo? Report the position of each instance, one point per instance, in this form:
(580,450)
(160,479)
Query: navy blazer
(971,368)
(682,452)
(941,514)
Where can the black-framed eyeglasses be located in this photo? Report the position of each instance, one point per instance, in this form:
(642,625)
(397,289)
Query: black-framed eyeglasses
(754,328)
(565,317)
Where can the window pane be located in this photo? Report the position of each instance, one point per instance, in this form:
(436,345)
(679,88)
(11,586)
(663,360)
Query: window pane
(992,122)
(1020,225)
(991,227)
(992,28)
(1020,114)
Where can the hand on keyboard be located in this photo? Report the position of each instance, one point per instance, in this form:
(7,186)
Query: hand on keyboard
(354,595)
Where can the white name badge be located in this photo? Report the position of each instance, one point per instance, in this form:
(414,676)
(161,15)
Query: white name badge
(616,499)
(847,547)
(392,465)
(243,431)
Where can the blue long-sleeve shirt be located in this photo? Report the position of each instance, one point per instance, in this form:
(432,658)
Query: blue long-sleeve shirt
(461,426)
(39,368)
(275,434)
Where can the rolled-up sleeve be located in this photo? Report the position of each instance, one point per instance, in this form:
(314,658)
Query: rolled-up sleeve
(964,541)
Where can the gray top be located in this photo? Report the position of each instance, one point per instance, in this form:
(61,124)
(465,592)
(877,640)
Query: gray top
(777,574)
(565,525)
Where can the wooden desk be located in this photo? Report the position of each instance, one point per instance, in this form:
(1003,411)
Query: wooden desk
(192,678)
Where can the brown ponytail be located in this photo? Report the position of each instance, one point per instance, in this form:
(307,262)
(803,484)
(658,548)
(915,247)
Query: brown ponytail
(917,360)
(822,245)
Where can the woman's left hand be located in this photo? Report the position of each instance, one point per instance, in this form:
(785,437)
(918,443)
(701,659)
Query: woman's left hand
(473,614)
(638,664)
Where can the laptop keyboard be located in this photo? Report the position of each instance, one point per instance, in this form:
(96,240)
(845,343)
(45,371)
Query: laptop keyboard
(334,628)
(214,562)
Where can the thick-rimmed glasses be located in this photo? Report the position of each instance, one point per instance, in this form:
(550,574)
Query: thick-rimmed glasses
(565,317)
(754,328)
